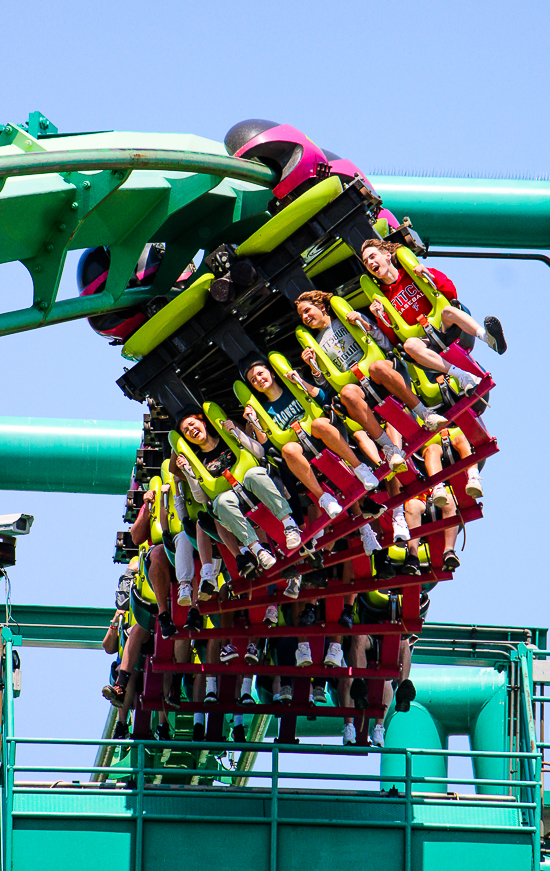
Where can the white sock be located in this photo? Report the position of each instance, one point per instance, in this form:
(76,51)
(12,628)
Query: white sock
(210,684)
(256,547)
(481,334)
(246,686)
(398,512)
(288,521)
(455,372)
(421,411)
(384,439)
(238,720)
(244,550)
(207,571)
(198,718)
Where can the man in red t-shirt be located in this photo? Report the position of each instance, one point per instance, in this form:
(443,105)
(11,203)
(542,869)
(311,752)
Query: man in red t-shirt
(410,301)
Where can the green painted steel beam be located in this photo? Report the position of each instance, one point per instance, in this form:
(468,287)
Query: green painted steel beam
(57,626)
(70,456)
(471,212)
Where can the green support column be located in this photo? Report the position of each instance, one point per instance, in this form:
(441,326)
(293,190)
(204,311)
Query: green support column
(70,456)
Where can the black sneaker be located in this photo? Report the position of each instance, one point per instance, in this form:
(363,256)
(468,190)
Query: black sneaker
(238,735)
(318,579)
(121,731)
(211,699)
(167,628)
(384,569)
(405,694)
(371,509)
(495,332)
(307,617)
(358,692)
(450,560)
(207,589)
(198,732)
(173,697)
(346,617)
(115,694)
(246,565)
(246,699)
(193,621)
(411,566)
(162,732)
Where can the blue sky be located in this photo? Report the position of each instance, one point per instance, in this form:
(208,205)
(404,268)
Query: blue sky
(427,87)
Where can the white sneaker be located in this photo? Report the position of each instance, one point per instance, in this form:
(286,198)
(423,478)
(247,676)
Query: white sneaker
(434,421)
(377,735)
(292,588)
(349,734)
(467,381)
(334,655)
(366,476)
(271,615)
(401,532)
(293,538)
(251,656)
(395,458)
(369,539)
(329,504)
(266,559)
(473,487)
(303,654)
(285,694)
(319,696)
(439,495)
(185,592)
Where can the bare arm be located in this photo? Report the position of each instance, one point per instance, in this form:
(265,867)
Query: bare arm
(141,529)
(110,642)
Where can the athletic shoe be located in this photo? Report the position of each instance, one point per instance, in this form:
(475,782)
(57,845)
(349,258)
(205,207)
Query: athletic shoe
(346,617)
(405,694)
(334,655)
(395,458)
(303,654)
(366,477)
(495,334)
(266,559)
(468,382)
(319,696)
(434,421)
(384,569)
(115,694)
(271,615)
(372,510)
(358,692)
(401,532)
(293,538)
(167,628)
(228,652)
(185,592)
(162,732)
(194,620)
(411,566)
(439,495)
(246,564)
(207,589)
(369,539)
(285,694)
(292,588)
(198,732)
(251,655)
(329,504)
(173,698)
(450,560)
(211,698)
(246,699)
(377,735)
(473,487)
(121,731)
(238,734)
(349,735)
(307,616)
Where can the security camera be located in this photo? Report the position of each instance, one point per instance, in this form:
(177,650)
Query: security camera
(15,524)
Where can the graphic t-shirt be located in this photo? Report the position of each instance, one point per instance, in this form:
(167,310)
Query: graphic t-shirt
(218,459)
(410,301)
(339,345)
(286,410)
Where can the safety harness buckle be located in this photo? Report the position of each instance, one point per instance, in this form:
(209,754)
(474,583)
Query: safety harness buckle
(366,384)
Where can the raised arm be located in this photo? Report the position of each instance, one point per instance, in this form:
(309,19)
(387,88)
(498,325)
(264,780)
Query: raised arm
(141,529)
